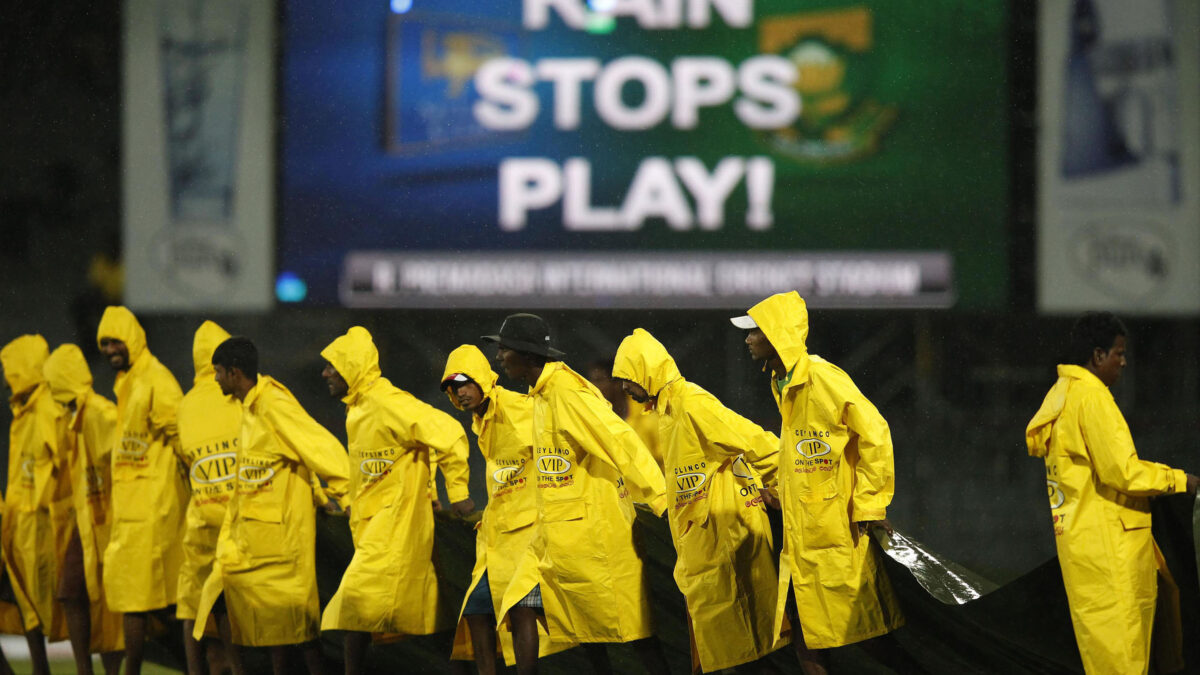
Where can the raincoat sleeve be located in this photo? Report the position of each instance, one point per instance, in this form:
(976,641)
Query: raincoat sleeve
(311,444)
(615,444)
(731,435)
(447,443)
(1114,456)
(164,412)
(875,474)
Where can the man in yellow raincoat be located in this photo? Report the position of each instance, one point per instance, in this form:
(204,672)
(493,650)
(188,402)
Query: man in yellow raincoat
(726,565)
(265,568)
(591,467)
(88,441)
(141,562)
(390,588)
(1099,501)
(38,507)
(501,588)
(835,481)
(643,419)
(210,426)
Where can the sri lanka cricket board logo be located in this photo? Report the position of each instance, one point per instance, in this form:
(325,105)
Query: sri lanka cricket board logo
(840,120)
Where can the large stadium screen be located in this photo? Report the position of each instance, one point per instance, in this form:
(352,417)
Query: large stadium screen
(643,153)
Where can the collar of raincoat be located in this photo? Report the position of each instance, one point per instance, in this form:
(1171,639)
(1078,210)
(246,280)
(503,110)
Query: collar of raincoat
(643,360)
(120,323)
(22,360)
(553,367)
(783,318)
(209,336)
(470,361)
(68,375)
(356,359)
(1037,434)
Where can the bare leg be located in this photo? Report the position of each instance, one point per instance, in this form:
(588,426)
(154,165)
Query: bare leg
(525,639)
(135,636)
(37,652)
(812,661)
(79,628)
(759,667)
(214,653)
(313,658)
(112,662)
(233,653)
(191,649)
(483,641)
(279,660)
(356,643)
(597,654)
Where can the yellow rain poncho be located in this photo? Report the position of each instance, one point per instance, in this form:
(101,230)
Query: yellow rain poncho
(38,514)
(390,587)
(90,437)
(835,470)
(1099,506)
(141,563)
(266,552)
(726,567)
(591,467)
(210,425)
(508,527)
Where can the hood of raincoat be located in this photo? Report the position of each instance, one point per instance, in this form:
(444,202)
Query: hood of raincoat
(67,372)
(643,360)
(468,360)
(22,360)
(120,323)
(356,359)
(783,318)
(208,337)
(1037,434)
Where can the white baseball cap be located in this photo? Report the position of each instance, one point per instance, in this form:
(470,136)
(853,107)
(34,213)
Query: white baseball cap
(744,322)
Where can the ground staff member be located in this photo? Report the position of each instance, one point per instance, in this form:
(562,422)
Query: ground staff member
(89,439)
(1099,492)
(591,466)
(265,570)
(141,563)
(39,497)
(835,481)
(391,585)
(726,567)
(502,588)
(644,420)
(210,425)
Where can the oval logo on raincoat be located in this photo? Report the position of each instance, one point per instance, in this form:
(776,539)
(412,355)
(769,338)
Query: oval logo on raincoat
(255,474)
(505,473)
(813,447)
(553,464)
(1057,496)
(133,447)
(375,466)
(740,469)
(687,482)
(216,468)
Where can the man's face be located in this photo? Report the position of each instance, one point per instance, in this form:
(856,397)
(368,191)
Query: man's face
(761,348)
(1109,364)
(514,365)
(116,352)
(337,384)
(608,386)
(636,391)
(469,395)
(224,379)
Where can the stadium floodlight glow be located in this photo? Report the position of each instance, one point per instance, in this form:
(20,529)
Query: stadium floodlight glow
(601,6)
(290,288)
(401,6)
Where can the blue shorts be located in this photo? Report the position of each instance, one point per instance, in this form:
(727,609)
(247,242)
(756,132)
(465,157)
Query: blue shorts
(480,600)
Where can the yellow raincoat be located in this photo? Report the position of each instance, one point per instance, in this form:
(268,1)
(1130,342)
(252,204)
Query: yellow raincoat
(266,551)
(390,587)
(90,437)
(591,466)
(508,527)
(835,470)
(726,566)
(210,425)
(1099,505)
(141,563)
(644,420)
(10,613)
(38,514)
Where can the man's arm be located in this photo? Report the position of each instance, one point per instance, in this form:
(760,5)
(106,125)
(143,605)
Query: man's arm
(448,444)
(730,434)
(311,444)
(875,474)
(1114,456)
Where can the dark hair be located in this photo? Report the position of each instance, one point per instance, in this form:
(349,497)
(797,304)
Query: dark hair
(237,352)
(1092,331)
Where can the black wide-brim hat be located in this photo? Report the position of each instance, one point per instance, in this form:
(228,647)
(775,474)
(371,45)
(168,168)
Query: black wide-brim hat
(525,333)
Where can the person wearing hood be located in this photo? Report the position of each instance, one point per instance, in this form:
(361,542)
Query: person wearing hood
(835,481)
(264,574)
(643,419)
(501,589)
(39,496)
(726,564)
(393,437)
(88,440)
(591,468)
(210,425)
(142,559)
(1100,501)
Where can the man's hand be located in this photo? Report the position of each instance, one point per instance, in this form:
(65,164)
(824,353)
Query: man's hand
(462,509)
(769,498)
(437,506)
(865,525)
(331,507)
(1192,483)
